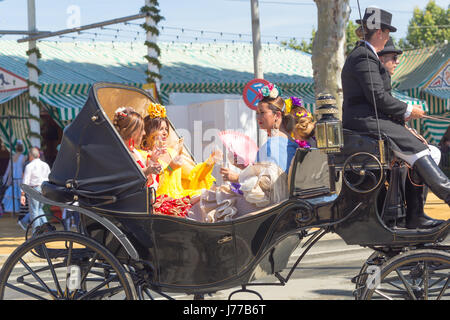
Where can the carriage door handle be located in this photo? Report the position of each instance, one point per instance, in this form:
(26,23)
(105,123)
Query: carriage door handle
(225,239)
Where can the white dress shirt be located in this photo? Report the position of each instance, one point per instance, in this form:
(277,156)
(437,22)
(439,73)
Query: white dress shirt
(36,172)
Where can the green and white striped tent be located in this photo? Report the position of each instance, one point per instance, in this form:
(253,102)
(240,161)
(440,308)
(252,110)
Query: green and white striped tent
(69,69)
(425,74)
(13,114)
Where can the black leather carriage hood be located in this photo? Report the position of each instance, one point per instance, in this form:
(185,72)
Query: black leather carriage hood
(94,166)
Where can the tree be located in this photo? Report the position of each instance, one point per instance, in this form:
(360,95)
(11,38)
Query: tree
(328,50)
(427,27)
(350,39)
(302,46)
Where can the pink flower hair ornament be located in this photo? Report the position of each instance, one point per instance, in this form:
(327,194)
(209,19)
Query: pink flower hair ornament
(270,90)
(121,112)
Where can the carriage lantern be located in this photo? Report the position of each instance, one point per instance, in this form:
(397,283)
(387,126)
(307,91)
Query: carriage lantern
(329,135)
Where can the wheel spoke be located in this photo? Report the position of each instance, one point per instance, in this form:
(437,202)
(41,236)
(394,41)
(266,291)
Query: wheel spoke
(26,292)
(65,265)
(406,284)
(68,263)
(52,270)
(91,264)
(393,284)
(425,280)
(443,289)
(83,278)
(98,287)
(383,294)
(38,279)
(149,293)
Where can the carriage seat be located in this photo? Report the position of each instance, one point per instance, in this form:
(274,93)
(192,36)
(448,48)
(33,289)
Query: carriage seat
(355,142)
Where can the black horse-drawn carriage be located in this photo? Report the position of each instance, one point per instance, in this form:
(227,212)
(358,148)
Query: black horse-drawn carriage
(122,250)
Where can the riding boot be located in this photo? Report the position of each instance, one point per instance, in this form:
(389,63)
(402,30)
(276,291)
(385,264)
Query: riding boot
(433,177)
(412,181)
(415,216)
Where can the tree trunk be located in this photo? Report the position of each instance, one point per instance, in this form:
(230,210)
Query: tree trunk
(328,53)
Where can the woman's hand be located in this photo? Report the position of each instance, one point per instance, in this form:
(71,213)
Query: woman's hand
(176,162)
(236,161)
(216,156)
(23,200)
(153,168)
(229,175)
(240,166)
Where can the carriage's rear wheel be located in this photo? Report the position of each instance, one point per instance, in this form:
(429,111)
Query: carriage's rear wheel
(361,278)
(414,275)
(64,266)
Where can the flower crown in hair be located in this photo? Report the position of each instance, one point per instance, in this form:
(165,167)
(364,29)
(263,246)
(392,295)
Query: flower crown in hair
(304,114)
(293,101)
(270,90)
(156,110)
(121,112)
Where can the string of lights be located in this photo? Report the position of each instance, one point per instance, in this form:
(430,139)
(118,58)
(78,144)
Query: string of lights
(132,32)
(129,31)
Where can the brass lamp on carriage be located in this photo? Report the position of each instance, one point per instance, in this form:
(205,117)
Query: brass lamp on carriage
(328,131)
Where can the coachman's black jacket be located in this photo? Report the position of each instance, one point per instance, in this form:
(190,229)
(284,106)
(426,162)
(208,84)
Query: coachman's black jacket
(364,79)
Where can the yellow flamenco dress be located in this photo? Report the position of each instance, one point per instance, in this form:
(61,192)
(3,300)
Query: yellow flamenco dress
(177,183)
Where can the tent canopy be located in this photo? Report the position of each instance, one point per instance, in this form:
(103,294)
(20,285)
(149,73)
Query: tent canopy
(69,69)
(13,112)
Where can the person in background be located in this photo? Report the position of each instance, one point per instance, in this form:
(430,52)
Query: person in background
(303,132)
(12,178)
(36,172)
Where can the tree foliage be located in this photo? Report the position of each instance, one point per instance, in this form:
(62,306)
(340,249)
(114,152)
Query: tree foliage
(350,37)
(427,27)
(305,46)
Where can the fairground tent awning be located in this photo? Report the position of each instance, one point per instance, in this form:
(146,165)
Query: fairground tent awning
(64,102)
(69,69)
(424,74)
(14,114)
(9,95)
(434,129)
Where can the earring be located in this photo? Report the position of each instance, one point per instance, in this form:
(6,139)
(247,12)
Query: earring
(131,143)
(274,131)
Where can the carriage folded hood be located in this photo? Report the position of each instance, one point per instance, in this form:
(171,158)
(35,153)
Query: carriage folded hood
(93,165)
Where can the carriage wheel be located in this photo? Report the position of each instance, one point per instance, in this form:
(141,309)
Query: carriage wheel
(64,266)
(361,278)
(415,275)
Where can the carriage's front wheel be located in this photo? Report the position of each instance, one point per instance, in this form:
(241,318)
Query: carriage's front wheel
(414,275)
(64,266)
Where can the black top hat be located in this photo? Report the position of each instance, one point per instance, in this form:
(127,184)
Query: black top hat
(390,48)
(377,18)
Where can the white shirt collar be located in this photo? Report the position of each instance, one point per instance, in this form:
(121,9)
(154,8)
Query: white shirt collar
(371,47)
